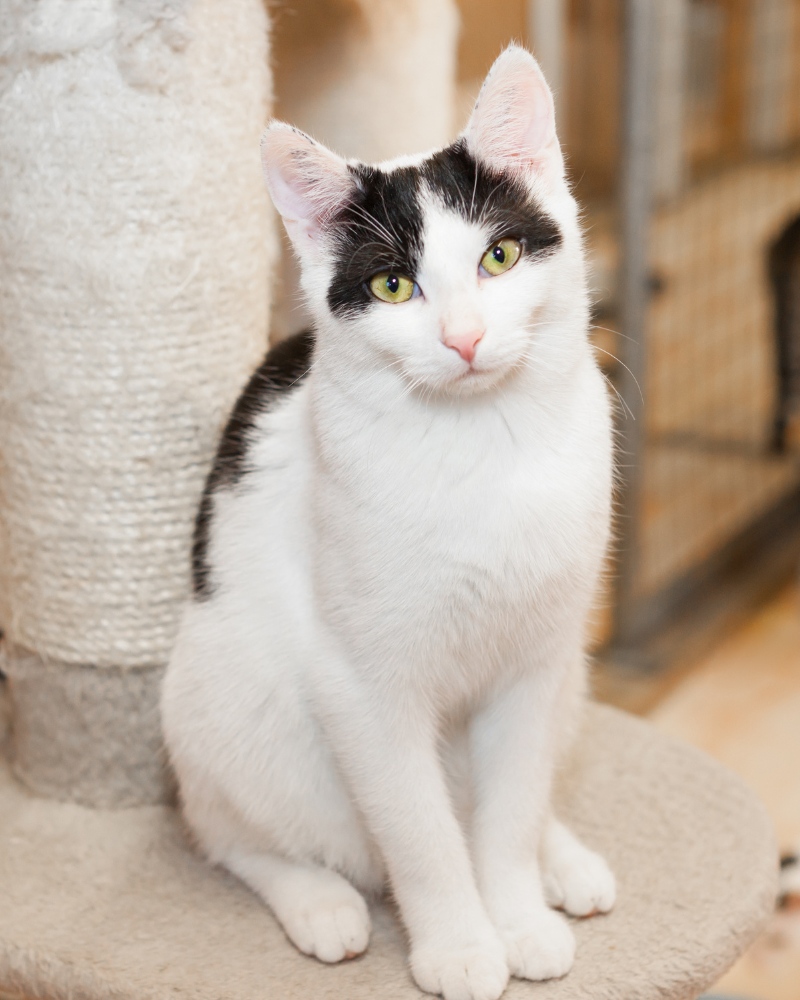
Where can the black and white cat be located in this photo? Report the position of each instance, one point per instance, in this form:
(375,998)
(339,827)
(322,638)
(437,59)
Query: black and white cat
(395,557)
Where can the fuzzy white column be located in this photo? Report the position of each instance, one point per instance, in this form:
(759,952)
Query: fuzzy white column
(774,25)
(134,296)
(671,82)
(547,29)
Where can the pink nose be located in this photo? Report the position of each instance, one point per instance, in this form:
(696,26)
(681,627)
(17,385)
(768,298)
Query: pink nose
(464,343)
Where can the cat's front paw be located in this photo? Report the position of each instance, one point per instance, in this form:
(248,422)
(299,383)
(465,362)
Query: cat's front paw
(578,881)
(330,929)
(542,947)
(476,971)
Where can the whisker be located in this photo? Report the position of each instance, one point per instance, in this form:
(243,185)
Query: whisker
(488,202)
(625,408)
(604,351)
(619,333)
(369,227)
(388,218)
(535,326)
(376,226)
(474,190)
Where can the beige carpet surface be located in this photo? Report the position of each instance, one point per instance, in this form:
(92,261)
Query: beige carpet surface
(106,905)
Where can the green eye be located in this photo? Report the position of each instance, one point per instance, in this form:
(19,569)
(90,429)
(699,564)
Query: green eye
(501,257)
(390,287)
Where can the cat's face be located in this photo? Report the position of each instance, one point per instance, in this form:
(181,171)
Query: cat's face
(445,268)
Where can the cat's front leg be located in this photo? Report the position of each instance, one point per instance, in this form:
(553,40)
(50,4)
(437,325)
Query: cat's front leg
(576,879)
(513,748)
(389,753)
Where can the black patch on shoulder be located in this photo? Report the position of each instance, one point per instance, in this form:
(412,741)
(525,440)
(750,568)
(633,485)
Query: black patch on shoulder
(284,368)
(380,229)
(492,198)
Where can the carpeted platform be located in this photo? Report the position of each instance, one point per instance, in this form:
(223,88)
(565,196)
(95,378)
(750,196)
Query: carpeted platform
(105,905)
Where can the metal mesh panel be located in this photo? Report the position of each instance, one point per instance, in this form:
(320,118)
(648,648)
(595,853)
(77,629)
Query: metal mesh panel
(695,105)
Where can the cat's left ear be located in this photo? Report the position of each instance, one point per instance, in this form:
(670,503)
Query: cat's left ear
(308,182)
(513,124)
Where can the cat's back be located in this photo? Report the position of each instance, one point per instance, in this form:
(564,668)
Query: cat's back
(264,435)
(249,578)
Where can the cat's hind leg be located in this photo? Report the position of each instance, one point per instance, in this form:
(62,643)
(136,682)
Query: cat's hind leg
(574,878)
(319,910)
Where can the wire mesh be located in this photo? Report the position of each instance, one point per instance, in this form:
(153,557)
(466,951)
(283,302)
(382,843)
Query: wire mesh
(718,342)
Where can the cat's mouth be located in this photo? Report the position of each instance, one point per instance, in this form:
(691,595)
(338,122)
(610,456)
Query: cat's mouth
(478,376)
(464,379)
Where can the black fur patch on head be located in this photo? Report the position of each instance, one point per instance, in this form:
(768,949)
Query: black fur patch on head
(380,229)
(284,368)
(491,198)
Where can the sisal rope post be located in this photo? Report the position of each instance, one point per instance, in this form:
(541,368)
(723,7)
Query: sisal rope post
(134,297)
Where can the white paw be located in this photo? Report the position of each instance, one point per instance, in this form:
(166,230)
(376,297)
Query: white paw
(578,881)
(542,948)
(473,972)
(331,928)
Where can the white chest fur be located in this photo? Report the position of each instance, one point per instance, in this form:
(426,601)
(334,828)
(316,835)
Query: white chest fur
(455,540)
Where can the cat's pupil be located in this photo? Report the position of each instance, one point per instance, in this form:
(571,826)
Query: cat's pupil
(499,255)
(393,283)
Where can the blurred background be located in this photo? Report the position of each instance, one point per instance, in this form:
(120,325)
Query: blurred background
(681,126)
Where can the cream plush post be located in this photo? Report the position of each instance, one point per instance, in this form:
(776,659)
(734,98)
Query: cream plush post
(134,294)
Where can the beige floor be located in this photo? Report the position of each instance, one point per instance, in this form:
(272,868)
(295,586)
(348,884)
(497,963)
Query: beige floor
(742,705)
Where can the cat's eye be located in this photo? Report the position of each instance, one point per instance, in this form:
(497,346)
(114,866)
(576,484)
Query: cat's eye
(501,257)
(390,287)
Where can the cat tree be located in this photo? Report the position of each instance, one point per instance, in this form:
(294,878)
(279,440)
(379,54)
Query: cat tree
(134,304)
(135,240)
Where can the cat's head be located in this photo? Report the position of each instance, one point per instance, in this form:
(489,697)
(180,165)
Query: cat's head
(451,269)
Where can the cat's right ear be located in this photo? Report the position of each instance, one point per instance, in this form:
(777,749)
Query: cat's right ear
(308,182)
(513,125)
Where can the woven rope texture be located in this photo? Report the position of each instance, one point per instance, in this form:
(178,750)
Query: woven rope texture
(134,295)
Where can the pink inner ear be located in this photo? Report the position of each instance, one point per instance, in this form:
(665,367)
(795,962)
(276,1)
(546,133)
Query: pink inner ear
(542,125)
(307,181)
(514,120)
